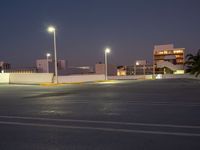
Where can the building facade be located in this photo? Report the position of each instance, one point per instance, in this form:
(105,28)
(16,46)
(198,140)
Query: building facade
(140,67)
(121,71)
(48,66)
(168,60)
(135,70)
(100,69)
(4,66)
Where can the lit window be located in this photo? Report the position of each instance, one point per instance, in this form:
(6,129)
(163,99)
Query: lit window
(178,51)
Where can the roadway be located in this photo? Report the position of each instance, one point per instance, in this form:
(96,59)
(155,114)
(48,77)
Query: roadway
(153,115)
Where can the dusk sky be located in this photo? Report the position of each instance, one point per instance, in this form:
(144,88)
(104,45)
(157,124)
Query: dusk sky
(130,28)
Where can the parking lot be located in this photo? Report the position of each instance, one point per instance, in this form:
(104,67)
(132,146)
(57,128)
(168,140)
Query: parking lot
(114,115)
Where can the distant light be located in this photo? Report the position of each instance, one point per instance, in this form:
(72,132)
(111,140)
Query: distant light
(51,29)
(159,76)
(137,63)
(2,71)
(48,54)
(107,50)
(179,72)
(84,67)
(108,82)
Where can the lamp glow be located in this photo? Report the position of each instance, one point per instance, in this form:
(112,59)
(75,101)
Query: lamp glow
(51,29)
(48,54)
(107,50)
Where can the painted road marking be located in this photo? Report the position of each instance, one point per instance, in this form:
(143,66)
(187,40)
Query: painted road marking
(101,129)
(134,103)
(103,122)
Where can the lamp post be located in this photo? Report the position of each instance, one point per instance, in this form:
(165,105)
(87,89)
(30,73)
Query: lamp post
(52,29)
(107,51)
(48,55)
(136,64)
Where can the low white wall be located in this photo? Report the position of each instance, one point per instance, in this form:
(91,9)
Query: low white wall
(193,77)
(4,77)
(37,78)
(135,77)
(30,78)
(179,76)
(80,78)
(166,76)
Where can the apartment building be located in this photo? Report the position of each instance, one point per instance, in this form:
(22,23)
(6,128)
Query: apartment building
(168,60)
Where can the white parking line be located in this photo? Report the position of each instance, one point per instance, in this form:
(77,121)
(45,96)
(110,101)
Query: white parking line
(137,103)
(103,122)
(101,129)
(165,103)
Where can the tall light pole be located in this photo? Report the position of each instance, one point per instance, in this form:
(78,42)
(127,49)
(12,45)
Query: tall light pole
(52,29)
(107,51)
(136,64)
(48,55)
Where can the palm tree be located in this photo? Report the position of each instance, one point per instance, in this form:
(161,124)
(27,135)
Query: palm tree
(193,64)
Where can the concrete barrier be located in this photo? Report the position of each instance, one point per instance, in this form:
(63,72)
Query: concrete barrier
(4,77)
(135,77)
(80,78)
(30,78)
(38,78)
(164,76)
(180,76)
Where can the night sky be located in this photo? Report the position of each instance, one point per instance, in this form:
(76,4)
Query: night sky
(85,27)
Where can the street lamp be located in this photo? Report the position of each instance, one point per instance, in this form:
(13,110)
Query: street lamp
(107,51)
(48,55)
(52,29)
(136,64)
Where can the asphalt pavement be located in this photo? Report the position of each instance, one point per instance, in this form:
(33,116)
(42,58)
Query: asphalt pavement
(115,115)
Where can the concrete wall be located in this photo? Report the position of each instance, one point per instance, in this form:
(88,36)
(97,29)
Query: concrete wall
(80,78)
(135,77)
(179,76)
(30,78)
(4,77)
(166,76)
(37,78)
